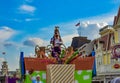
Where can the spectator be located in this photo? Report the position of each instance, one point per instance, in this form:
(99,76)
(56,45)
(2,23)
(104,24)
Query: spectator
(115,80)
(13,79)
(38,79)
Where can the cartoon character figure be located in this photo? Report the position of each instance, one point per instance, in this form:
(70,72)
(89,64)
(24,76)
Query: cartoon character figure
(56,42)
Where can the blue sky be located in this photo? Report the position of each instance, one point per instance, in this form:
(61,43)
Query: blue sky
(26,23)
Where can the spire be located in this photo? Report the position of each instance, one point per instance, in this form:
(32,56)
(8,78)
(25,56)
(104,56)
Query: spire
(116,18)
(118,15)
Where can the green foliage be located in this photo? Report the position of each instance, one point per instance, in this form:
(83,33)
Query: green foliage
(72,57)
(62,54)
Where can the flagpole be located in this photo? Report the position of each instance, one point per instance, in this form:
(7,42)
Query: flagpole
(80,29)
(78,25)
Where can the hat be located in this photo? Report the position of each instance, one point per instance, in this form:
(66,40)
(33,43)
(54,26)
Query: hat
(38,76)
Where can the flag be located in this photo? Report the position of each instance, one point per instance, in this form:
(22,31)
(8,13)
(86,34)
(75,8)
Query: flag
(78,24)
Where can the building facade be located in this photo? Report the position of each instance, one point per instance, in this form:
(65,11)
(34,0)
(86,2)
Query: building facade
(107,49)
(5,72)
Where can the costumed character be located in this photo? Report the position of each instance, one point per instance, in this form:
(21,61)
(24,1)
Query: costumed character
(56,42)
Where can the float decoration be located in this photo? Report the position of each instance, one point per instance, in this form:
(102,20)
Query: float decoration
(116,52)
(58,56)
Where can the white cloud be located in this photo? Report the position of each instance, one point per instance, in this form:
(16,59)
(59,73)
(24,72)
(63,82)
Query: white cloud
(17,20)
(27,8)
(115,1)
(34,41)
(7,44)
(25,20)
(15,45)
(2,59)
(31,19)
(28,19)
(68,39)
(6,33)
(91,30)
(105,18)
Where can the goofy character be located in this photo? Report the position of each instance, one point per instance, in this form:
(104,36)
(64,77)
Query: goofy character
(56,42)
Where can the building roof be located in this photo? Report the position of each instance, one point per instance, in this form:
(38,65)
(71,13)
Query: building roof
(83,63)
(79,41)
(37,63)
(107,27)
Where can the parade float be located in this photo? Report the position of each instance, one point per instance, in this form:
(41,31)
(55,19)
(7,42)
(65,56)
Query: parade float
(61,65)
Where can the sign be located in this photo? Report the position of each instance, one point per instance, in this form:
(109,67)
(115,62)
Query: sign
(116,51)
